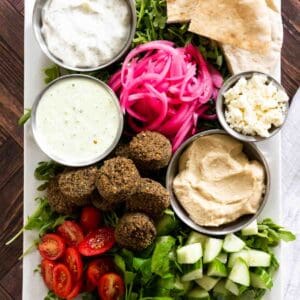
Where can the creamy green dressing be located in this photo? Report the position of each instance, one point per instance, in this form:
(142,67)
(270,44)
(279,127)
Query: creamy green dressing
(77,120)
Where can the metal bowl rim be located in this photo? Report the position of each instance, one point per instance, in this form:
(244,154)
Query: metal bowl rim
(80,163)
(179,210)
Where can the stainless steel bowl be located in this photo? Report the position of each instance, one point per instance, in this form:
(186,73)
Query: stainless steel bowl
(43,146)
(221,107)
(252,152)
(37,25)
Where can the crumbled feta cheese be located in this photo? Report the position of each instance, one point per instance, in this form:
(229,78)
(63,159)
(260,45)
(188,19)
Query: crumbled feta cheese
(254,106)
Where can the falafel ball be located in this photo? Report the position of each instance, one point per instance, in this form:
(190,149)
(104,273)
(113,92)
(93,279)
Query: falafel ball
(151,198)
(78,184)
(101,203)
(118,179)
(123,150)
(135,231)
(57,201)
(150,150)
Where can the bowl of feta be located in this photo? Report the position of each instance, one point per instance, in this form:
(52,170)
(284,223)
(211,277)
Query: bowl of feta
(84,35)
(252,106)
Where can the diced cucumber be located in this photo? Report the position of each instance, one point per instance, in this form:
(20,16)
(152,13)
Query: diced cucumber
(222,257)
(181,288)
(234,256)
(234,288)
(196,237)
(258,258)
(232,243)
(189,254)
(198,293)
(192,271)
(261,279)
(207,282)
(220,290)
(217,269)
(240,272)
(166,224)
(212,249)
(251,229)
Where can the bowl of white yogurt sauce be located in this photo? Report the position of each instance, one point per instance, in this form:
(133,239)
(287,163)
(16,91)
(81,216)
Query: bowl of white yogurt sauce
(84,35)
(77,120)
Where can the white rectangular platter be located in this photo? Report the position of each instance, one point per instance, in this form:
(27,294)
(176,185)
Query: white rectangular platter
(35,61)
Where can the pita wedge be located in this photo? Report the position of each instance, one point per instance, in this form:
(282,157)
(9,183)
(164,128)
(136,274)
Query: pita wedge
(240,60)
(241,23)
(180,11)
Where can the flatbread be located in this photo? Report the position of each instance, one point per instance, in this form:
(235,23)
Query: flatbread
(179,11)
(241,23)
(240,60)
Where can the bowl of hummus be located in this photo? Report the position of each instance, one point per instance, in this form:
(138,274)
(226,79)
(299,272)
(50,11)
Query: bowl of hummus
(218,184)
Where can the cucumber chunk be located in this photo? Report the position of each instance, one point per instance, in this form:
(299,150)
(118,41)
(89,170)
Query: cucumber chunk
(212,249)
(198,293)
(166,225)
(234,256)
(220,290)
(189,254)
(196,237)
(232,243)
(251,229)
(222,257)
(207,282)
(181,288)
(192,271)
(234,288)
(217,269)
(258,258)
(240,272)
(261,279)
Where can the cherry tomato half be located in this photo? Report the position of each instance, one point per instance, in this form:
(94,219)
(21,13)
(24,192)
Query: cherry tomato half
(71,232)
(111,287)
(97,268)
(97,242)
(75,291)
(74,263)
(90,218)
(52,246)
(62,281)
(47,267)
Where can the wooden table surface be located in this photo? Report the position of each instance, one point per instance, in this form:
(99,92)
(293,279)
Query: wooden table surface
(11,136)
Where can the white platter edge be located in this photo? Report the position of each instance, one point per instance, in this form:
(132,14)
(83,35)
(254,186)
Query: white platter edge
(34,62)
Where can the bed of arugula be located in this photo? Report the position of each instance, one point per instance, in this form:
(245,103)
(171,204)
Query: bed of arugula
(150,274)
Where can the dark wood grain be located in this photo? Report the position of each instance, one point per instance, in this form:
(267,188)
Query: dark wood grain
(11,139)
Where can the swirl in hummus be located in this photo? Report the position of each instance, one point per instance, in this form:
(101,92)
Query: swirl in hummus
(217,183)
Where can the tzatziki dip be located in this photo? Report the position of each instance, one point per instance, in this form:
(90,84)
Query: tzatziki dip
(77,121)
(86,33)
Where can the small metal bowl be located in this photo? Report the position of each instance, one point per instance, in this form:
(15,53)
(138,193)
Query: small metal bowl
(221,107)
(37,25)
(43,146)
(253,154)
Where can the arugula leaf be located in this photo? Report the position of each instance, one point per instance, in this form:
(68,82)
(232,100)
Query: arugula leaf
(286,236)
(51,296)
(160,263)
(47,170)
(89,296)
(25,117)
(51,73)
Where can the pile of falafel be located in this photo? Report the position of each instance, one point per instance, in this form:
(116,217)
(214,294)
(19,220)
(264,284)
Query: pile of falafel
(118,183)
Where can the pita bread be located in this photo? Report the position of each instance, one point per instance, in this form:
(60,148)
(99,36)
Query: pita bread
(179,11)
(240,60)
(241,23)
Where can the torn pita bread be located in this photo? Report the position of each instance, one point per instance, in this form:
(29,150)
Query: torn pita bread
(179,11)
(240,60)
(241,23)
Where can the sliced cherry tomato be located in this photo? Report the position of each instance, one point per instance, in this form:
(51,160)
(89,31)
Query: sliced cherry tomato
(47,267)
(90,218)
(75,291)
(74,263)
(111,287)
(97,242)
(71,232)
(97,268)
(52,246)
(62,281)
